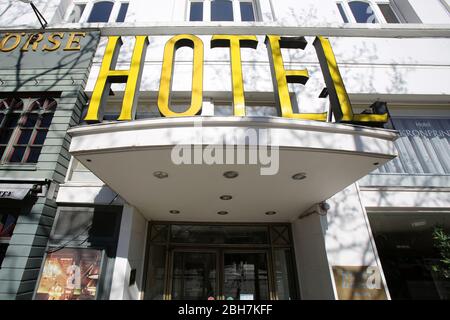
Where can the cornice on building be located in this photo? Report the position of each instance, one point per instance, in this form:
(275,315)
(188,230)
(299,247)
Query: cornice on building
(332,30)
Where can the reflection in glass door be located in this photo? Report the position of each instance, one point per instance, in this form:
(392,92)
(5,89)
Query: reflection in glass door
(245,276)
(194,275)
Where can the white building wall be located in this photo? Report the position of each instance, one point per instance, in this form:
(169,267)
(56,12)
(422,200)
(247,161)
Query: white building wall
(431,11)
(130,255)
(314,273)
(15,13)
(348,237)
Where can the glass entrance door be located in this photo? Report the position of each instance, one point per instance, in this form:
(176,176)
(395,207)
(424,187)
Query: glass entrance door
(194,275)
(241,275)
(226,262)
(245,276)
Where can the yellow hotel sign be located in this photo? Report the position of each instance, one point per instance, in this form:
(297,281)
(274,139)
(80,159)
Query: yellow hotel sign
(340,103)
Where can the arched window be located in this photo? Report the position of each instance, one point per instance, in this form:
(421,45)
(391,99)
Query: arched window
(362,11)
(101,11)
(23,130)
(10,111)
(369,11)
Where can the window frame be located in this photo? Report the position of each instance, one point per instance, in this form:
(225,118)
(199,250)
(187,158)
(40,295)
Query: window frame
(28,108)
(379,16)
(88,10)
(236,5)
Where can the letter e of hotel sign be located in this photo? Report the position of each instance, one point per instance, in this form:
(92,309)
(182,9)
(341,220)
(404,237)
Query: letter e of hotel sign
(339,100)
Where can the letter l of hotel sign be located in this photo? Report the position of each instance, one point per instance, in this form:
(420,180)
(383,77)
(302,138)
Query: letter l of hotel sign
(340,102)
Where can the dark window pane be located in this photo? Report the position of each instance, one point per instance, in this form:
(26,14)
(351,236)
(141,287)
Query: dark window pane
(46,103)
(77,12)
(156,273)
(12,120)
(34,154)
(3,248)
(40,137)
(2,151)
(31,120)
(24,137)
(194,276)
(122,12)
(196,13)
(221,10)
(247,13)
(5,136)
(7,224)
(159,233)
(100,12)
(110,117)
(284,274)
(219,234)
(245,276)
(17,154)
(280,235)
(342,12)
(46,120)
(16,104)
(408,251)
(362,12)
(388,13)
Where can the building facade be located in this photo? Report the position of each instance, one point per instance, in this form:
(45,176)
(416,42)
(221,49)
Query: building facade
(224,149)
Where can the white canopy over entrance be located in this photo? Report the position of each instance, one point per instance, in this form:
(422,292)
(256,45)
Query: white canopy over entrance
(138,161)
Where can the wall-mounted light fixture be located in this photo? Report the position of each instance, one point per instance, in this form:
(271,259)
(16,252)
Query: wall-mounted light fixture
(320,209)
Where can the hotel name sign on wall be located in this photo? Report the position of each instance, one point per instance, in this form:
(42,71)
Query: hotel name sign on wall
(281,77)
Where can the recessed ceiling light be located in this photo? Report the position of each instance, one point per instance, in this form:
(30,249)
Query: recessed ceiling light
(226,197)
(160,174)
(271,213)
(174,211)
(299,176)
(222,213)
(230,174)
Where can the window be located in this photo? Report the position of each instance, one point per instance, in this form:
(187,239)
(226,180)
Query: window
(247,11)
(196,12)
(3,248)
(100,11)
(342,12)
(97,11)
(222,10)
(23,128)
(8,219)
(411,259)
(423,147)
(368,11)
(388,13)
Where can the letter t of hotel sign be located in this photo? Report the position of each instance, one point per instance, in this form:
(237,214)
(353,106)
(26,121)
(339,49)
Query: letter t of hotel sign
(108,75)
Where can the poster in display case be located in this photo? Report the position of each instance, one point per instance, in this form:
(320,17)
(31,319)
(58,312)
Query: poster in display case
(70,274)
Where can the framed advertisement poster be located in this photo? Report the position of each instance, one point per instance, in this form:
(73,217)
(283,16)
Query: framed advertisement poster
(359,283)
(70,274)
